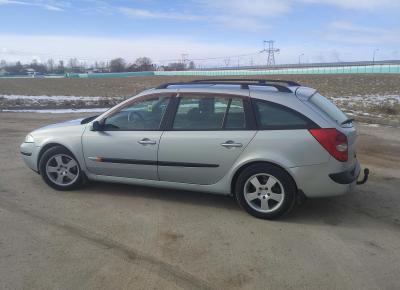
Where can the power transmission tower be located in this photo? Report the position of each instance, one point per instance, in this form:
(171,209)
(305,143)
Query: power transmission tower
(227,60)
(185,58)
(271,51)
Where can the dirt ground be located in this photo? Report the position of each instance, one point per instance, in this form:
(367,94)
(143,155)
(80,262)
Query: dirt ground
(108,236)
(329,85)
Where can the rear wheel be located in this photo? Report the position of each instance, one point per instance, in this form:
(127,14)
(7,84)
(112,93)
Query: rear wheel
(60,169)
(265,191)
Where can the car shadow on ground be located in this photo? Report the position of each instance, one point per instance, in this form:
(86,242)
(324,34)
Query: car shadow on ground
(323,211)
(162,194)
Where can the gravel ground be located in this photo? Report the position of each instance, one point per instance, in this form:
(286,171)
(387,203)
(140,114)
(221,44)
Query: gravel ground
(128,237)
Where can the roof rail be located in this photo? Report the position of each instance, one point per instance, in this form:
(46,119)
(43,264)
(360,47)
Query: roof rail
(244,83)
(260,81)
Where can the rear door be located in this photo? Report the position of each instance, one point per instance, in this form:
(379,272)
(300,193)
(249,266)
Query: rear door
(205,137)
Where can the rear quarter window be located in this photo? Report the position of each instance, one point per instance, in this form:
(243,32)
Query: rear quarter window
(272,116)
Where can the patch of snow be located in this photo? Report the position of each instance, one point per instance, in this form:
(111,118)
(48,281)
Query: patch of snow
(52,98)
(59,111)
(373,125)
(367,99)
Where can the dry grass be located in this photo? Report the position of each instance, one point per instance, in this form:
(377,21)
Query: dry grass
(329,85)
(359,88)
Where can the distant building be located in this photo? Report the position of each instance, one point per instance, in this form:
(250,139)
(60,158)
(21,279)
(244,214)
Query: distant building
(3,72)
(29,71)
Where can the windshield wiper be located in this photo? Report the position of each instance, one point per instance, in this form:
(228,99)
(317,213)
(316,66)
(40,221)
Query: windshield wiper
(348,121)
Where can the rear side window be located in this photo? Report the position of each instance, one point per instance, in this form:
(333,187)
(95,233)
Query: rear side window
(210,113)
(271,116)
(328,108)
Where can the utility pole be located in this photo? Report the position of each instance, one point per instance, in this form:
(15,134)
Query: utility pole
(300,57)
(271,51)
(373,56)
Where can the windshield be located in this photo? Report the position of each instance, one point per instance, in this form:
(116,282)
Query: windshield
(328,107)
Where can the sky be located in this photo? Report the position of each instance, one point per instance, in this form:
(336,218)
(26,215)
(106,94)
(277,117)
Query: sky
(232,31)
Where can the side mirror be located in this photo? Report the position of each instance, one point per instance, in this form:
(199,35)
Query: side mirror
(97,126)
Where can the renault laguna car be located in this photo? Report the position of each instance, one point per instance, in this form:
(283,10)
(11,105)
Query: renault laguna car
(269,143)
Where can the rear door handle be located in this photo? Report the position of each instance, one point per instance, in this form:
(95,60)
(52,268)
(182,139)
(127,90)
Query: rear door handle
(147,141)
(231,144)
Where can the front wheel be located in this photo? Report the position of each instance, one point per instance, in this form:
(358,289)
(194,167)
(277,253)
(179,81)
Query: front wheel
(60,169)
(265,191)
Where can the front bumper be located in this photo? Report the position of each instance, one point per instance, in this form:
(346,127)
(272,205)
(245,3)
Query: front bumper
(29,153)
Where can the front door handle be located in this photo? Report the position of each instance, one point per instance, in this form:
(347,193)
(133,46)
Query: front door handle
(231,144)
(147,141)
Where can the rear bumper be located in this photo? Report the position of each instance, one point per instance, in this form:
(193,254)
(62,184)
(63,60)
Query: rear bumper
(317,180)
(346,177)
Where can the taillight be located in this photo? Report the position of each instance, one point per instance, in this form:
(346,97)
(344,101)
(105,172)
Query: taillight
(333,141)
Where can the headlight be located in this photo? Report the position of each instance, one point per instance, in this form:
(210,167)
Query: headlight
(29,139)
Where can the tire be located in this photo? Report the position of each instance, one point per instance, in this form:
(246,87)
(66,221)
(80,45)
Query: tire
(265,191)
(60,169)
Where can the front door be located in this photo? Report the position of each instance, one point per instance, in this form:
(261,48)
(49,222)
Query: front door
(128,143)
(206,137)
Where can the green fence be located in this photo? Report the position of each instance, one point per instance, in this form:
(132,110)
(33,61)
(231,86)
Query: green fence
(355,69)
(368,69)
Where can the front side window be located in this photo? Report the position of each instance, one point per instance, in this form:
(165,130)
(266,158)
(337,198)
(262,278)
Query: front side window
(209,113)
(141,115)
(275,116)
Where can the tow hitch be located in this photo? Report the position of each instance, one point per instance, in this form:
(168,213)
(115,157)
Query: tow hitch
(364,180)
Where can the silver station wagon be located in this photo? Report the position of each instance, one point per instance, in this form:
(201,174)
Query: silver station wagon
(269,143)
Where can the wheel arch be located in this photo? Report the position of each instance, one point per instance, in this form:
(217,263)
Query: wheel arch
(51,145)
(251,163)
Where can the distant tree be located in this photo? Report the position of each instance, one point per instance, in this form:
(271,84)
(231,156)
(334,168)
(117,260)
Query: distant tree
(117,65)
(15,69)
(191,65)
(50,65)
(144,64)
(175,66)
(102,66)
(38,67)
(74,66)
(3,63)
(60,68)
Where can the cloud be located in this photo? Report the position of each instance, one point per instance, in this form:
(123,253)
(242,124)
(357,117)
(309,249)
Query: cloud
(350,33)
(47,5)
(358,4)
(148,14)
(12,2)
(254,8)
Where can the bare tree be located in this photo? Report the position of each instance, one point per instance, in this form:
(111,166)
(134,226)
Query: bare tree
(50,65)
(60,67)
(144,64)
(175,66)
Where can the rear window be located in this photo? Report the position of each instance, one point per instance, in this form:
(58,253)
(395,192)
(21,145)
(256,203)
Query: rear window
(328,108)
(271,116)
